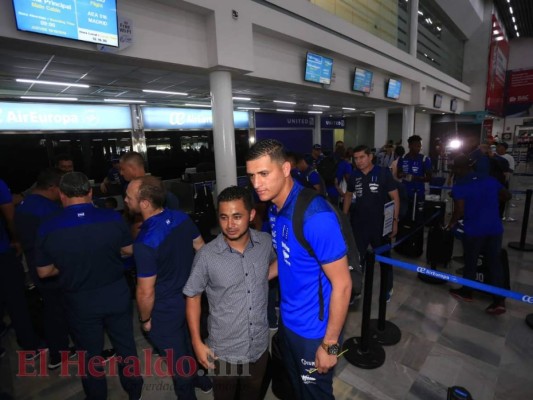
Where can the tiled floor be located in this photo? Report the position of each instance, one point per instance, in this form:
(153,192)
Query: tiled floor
(443,343)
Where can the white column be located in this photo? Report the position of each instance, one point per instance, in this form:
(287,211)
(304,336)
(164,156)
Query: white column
(408,124)
(223,129)
(381,127)
(317,131)
(413,28)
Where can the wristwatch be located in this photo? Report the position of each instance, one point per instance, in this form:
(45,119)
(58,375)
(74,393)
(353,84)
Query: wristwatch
(332,349)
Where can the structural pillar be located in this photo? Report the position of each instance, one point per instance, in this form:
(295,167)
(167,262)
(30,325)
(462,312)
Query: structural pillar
(413,28)
(381,127)
(408,124)
(317,131)
(223,129)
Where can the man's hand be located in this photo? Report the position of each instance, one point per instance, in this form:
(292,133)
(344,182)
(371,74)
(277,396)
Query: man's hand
(394,229)
(323,361)
(204,355)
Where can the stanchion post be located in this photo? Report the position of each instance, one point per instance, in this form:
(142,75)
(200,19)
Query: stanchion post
(522,245)
(362,352)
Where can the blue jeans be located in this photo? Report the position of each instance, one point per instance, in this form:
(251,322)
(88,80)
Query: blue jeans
(490,246)
(299,357)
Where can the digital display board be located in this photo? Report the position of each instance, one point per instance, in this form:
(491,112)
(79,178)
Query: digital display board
(394,88)
(362,81)
(437,100)
(93,21)
(318,68)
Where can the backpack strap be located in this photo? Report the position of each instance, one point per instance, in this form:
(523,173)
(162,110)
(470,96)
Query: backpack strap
(305,197)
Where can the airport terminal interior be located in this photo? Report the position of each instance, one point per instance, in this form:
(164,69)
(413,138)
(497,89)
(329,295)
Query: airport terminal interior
(192,84)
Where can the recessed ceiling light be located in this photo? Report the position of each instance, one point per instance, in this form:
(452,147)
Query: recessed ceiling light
(420,12)
(510,9)
(423,110)
(314,112)
(198,105)
(124,101)
(514,19)
(284,102)
(242,98)
(282,110)
(439,28)
(348,108)
(498,38)
(52,83)
(515,28)
(319,105)
(164,92)
(49,98)
(495,31)
(248,108)
(517,34)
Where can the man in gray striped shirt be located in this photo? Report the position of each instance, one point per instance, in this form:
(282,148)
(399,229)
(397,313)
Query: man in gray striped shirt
(233,270)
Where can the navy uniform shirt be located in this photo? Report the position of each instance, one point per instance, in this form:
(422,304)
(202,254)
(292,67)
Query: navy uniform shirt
(84,242)
(29,215)
(164,248)
(416,166)
(5,198)
(372,192)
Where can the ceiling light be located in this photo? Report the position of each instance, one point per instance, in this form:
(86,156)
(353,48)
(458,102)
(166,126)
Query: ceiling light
(495,31)
(498,38)
(198,105)
(430,21)
(439,28)
(124,101)
(508,1)
(281,110)
(248,108)
(420,12)
(164,92)
(514,19)
(284,102)
(52,83)
(348,108)
(517,34)
(511,9)
(319,105)
(455,144)
(242,98)
(49,98)
(515,28)
(314,112)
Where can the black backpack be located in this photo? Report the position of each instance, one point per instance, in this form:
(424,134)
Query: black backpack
(327,168)
(305,197)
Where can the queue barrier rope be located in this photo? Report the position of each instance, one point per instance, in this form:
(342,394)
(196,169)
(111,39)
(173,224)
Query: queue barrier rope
(455,279)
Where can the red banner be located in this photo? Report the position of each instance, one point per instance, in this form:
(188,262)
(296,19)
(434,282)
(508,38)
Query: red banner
(499,54)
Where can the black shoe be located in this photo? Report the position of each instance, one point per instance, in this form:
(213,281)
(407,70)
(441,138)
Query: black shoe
(204,384)
(55,360)
(496,308)
(107,354)
(34,355)
(462,294)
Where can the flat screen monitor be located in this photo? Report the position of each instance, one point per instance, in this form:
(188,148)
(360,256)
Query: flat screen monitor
(394,88)
(437,100)
(318,68)
(453,105)
(362,80)
(93,21)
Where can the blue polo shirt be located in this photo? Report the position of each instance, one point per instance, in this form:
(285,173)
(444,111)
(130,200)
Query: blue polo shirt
(5,198)
(371,192)
(298,271)
(343,168)
(29,215)
(480,195)
(164,248)
(417,166)
(84,243)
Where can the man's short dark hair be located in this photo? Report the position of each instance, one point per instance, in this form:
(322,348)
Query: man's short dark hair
(399,151)
(413,139)
(48,177)
(237,193)
(504,144)
(133,157)
(75,184)
(362,147)
(151,189)
(62,157)
(267,147)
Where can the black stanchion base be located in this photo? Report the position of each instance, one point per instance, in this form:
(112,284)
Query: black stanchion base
(516,246)
(388,336)
(529,320)
(429,279)
(374,357)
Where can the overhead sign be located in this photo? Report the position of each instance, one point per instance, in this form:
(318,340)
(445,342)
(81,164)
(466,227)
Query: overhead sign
(282,120)
(62,117)
(186,118)
(332,123)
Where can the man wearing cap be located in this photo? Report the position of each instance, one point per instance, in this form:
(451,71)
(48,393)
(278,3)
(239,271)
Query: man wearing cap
(316,156)
(83,245)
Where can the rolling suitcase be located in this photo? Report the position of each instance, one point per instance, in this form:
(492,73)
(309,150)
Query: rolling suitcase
(439,248)
(413,246)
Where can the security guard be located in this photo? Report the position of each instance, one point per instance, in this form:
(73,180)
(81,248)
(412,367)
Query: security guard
(83,246)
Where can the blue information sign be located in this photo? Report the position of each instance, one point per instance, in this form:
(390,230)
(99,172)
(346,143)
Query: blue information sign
(186,118)
(318,68)
(362,81)
(62,117)
(92,21)
(281,120)
(394,89)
